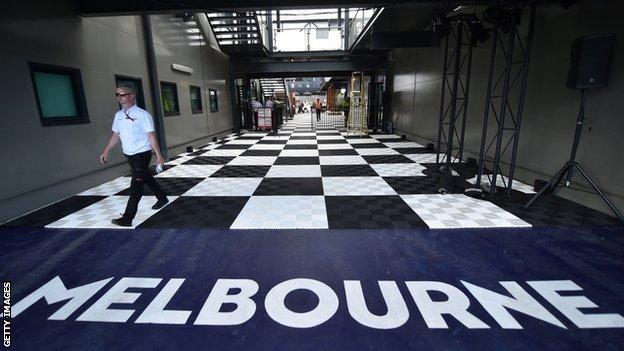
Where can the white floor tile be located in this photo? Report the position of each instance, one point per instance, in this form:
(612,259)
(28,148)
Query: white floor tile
(399,169)
(402,144)
(224,187)
(100,214)
(110,188)
(342,160)
(357,186)
(294,171)
(301,142)
(334,146)
(253,161)
(460,211)
(298,153)
(376,151)
(283,212)
(189,171)
(223,152)
(267,147)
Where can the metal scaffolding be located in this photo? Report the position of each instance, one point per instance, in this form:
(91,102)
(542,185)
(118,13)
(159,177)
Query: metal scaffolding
(454,96)
(509,66)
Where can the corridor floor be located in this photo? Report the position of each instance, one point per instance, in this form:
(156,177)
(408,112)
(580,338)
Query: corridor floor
(308,178)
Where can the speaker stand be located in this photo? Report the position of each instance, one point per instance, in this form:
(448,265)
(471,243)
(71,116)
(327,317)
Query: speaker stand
(569,166)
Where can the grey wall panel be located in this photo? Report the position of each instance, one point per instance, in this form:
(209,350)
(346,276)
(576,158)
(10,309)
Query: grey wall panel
(51,163)
(550,110)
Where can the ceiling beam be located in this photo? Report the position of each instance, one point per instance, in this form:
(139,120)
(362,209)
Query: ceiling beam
(88,8)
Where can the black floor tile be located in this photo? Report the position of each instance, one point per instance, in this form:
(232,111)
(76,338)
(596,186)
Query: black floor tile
(245,136)
(359,137)
(261,153)
(209,160)
(421,185)
(241,172)
(281,161)
(300,147)
(370,212)
(392,140)
(197,152)
(171,186)
(295,137)
(387,159)
(234,147)
(333,141)
(369,146)
(340,152)
(413,150)
(348,171)
(54,212)
(273,142)
(290,186)
(197,212)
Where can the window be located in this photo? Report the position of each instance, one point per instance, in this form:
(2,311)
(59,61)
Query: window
(214,103)
(169,92)
(59,93)
(196,100)
(136,84)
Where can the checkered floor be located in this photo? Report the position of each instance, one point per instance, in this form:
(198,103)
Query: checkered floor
(306,178)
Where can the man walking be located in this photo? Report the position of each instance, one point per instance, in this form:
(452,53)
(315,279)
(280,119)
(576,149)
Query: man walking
(135,127)
(318,106)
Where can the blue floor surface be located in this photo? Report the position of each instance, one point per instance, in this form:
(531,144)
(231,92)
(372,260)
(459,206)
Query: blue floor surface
(591,257)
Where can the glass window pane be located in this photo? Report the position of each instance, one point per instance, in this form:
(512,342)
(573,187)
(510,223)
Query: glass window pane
(214,104)
(196,102)
(56,95)
(169,99)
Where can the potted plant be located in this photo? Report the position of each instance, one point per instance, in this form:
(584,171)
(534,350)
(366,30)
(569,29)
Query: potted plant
(344,106)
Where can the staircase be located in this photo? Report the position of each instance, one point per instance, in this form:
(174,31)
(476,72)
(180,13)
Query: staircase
(237,33)
(274,87)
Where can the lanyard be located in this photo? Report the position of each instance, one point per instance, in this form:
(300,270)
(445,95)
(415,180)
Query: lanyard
(128,116)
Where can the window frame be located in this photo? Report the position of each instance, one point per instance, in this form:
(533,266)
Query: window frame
(201,103)
(216,98)
(139,94)
(82,113)
(176,97)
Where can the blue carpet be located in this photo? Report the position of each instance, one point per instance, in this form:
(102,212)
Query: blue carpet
(591,257)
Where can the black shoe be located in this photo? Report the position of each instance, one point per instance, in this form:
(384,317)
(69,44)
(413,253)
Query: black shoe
(160,203)
(122,222)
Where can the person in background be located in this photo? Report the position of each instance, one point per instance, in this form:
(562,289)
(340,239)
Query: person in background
(269,103)
(318,106)
(256,105)
(135,128)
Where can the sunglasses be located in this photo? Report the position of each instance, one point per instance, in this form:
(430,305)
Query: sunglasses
(122,94)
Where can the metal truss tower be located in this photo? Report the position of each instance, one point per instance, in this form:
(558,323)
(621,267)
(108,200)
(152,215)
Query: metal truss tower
(454,96)
(509,67)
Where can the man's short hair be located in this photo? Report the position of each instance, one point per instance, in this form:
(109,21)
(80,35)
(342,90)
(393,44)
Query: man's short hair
(127,87)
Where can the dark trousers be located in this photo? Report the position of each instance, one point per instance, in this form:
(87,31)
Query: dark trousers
(140,175)
(318,114)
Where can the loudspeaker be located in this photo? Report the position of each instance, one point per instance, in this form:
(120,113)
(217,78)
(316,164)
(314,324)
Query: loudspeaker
(590,61)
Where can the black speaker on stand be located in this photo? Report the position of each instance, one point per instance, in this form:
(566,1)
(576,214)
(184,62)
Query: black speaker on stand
(590,61)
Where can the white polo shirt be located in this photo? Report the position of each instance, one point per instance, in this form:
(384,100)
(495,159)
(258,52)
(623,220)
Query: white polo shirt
(133,131)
